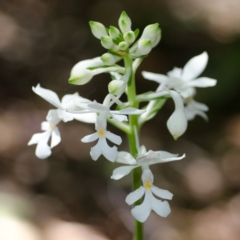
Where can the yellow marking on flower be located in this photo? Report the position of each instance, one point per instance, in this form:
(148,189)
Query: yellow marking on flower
(147,185)
(101,133)
(50,127)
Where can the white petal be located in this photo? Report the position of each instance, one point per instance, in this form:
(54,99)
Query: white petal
(199,106)
(110,153)
(142,150)
(36,138)
(97,107)
(69,97)
(76,104)
(147,175)
(101,121)
(167,155)
(165,194)
(65,116)
(141,212)
(187,92)
(96,151)
(52,117)
(162,208)
(45,126)
(125,157)
(195,66)
(134,196)
(56,137)
(113,138)
(87,117)
(120,172)
(175,73)
(43,150)
(90,138)
(129,111)
(163,157)
(192,113)
(120,118)
(203,82)
(48,95)
(159,78)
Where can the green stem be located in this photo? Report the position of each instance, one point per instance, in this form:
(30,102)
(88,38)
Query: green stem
(133,123)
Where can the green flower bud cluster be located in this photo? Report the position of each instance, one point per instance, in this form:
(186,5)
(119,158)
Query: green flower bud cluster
(123,41)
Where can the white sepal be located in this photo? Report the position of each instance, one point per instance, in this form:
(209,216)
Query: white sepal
(195,66)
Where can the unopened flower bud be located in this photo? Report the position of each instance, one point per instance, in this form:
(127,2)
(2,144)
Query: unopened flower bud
(107,42)
(98,29)
(153,33)
(116,87)
(80,74)
(109,59)
(114,32)
(129,37)
(80,78)
(123,46)
(124,23)
(177,123)
(144,47)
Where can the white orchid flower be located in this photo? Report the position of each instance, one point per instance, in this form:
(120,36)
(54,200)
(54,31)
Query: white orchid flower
(104,109)
(194,108)
(104,112)
(150,202)
(43,150)
(68,102)
(184,80)
(143,159)
(102,148)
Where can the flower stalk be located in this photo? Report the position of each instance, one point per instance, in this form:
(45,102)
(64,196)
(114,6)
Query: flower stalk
(133,124)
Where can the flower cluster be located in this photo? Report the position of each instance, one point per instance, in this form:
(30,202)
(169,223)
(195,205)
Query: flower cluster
(184,82)
(179,84)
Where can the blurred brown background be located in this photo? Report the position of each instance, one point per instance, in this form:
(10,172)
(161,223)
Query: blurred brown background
(69,196)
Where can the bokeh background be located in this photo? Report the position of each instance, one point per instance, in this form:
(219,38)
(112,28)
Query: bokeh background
(69,196)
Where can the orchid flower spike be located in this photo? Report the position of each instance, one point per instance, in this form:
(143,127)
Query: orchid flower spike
(143,159)
(150,202)
(68,102)
(43,150)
